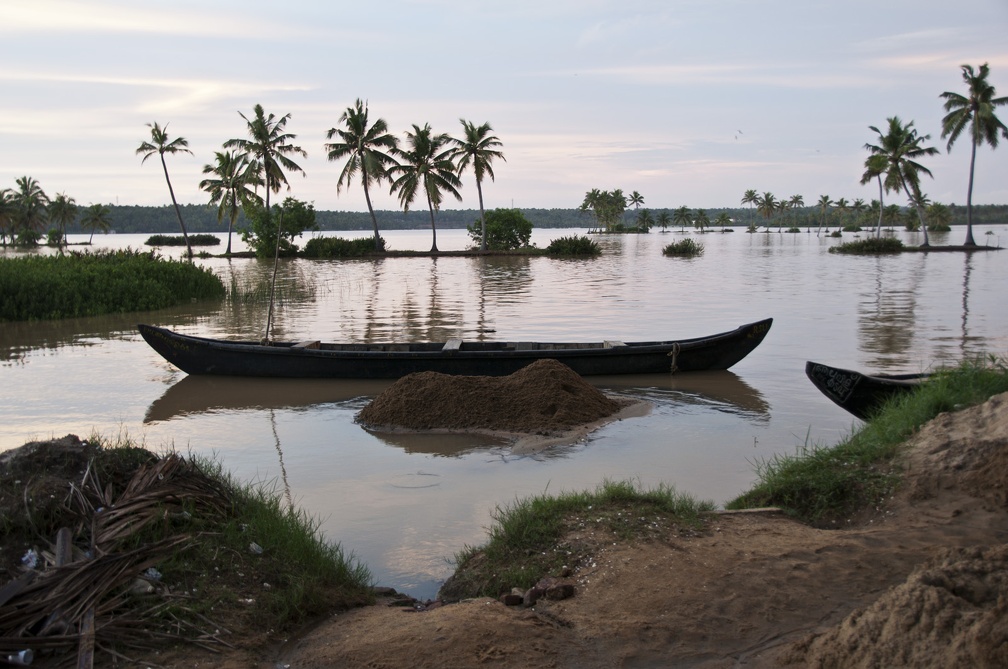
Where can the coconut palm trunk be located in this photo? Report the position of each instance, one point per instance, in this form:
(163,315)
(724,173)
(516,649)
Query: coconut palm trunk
(178,212)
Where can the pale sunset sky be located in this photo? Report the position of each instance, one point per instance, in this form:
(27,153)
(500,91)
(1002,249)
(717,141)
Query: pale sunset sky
(689,102)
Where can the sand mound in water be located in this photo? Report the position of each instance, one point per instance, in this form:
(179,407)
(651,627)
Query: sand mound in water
(545,397)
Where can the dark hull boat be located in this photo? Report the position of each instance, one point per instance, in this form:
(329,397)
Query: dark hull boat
(860,394)
(199,355)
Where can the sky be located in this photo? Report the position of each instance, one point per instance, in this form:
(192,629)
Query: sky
(688,102)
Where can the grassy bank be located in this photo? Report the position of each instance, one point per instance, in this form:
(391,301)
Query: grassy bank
(164,548)
(532,537)
(91,284)
(825,485)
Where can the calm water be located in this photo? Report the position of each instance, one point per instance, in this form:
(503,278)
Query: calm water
(405,504)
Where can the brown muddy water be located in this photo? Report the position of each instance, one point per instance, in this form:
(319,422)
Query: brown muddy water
(404,504)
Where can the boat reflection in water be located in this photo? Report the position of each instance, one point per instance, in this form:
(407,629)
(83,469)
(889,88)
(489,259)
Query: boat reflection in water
(721,391)
(208,394)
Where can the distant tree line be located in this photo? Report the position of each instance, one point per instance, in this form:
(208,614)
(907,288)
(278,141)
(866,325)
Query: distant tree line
(199,218)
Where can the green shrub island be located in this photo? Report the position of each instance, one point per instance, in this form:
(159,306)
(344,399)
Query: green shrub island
(575,245)
(294,216)
(90,284)
(337,247)
(870,246)
(506,230)
(201,239)
(686,248)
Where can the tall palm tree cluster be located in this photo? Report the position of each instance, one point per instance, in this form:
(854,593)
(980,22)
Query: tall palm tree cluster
(894,160)
(26,212)
(607,207)
(427,162)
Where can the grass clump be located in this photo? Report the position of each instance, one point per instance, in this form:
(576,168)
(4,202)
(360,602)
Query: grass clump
(824,485)
(870,246)
(337,247)
(686,248)
(292,573)
(91,284)
(575,245)
(536,536)
(199,239)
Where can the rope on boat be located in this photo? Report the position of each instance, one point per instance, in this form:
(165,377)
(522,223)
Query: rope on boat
(674,354)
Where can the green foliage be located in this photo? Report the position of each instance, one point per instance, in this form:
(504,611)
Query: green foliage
(294,216)
(54,237)
(506,230)
(527,537)
(575,245)
(870,246)
(851,227)
(176,240)
(86,284)
(686,248)
(826,485)
(337,247)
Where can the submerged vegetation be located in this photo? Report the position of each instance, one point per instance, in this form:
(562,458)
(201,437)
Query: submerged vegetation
(870,246)
(90,284)
(574,245)
(685,248)
(337,247)
(825,485)
(174,240)
(533,536)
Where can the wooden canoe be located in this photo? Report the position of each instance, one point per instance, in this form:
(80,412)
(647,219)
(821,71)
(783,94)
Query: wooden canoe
(314,359)
(860,394)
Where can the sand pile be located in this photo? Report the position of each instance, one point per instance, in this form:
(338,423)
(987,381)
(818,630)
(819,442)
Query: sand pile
(544,398)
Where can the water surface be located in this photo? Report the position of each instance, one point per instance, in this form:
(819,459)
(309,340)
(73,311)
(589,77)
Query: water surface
(406,503)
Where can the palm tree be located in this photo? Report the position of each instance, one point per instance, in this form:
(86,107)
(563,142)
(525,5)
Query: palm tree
(723,219)
(875,167)
(858,207)
(7,215)
(268,148)
(479,148)
(160,145)
(841,207)
(782,207)
(795,202)
(683,216)
(664,220)
(824,205)
(426,165)
(901,146)
(95,217)
(368,150)
(939,216)
(751,197)
(766,204)
(636,199)
(232,186)
(702,220)
(590,203)
(977,111)
(644,220)
(30,209)
(62,210)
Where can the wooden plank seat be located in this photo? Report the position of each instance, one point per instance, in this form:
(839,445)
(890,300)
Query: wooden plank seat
(314,344)
(453,344)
